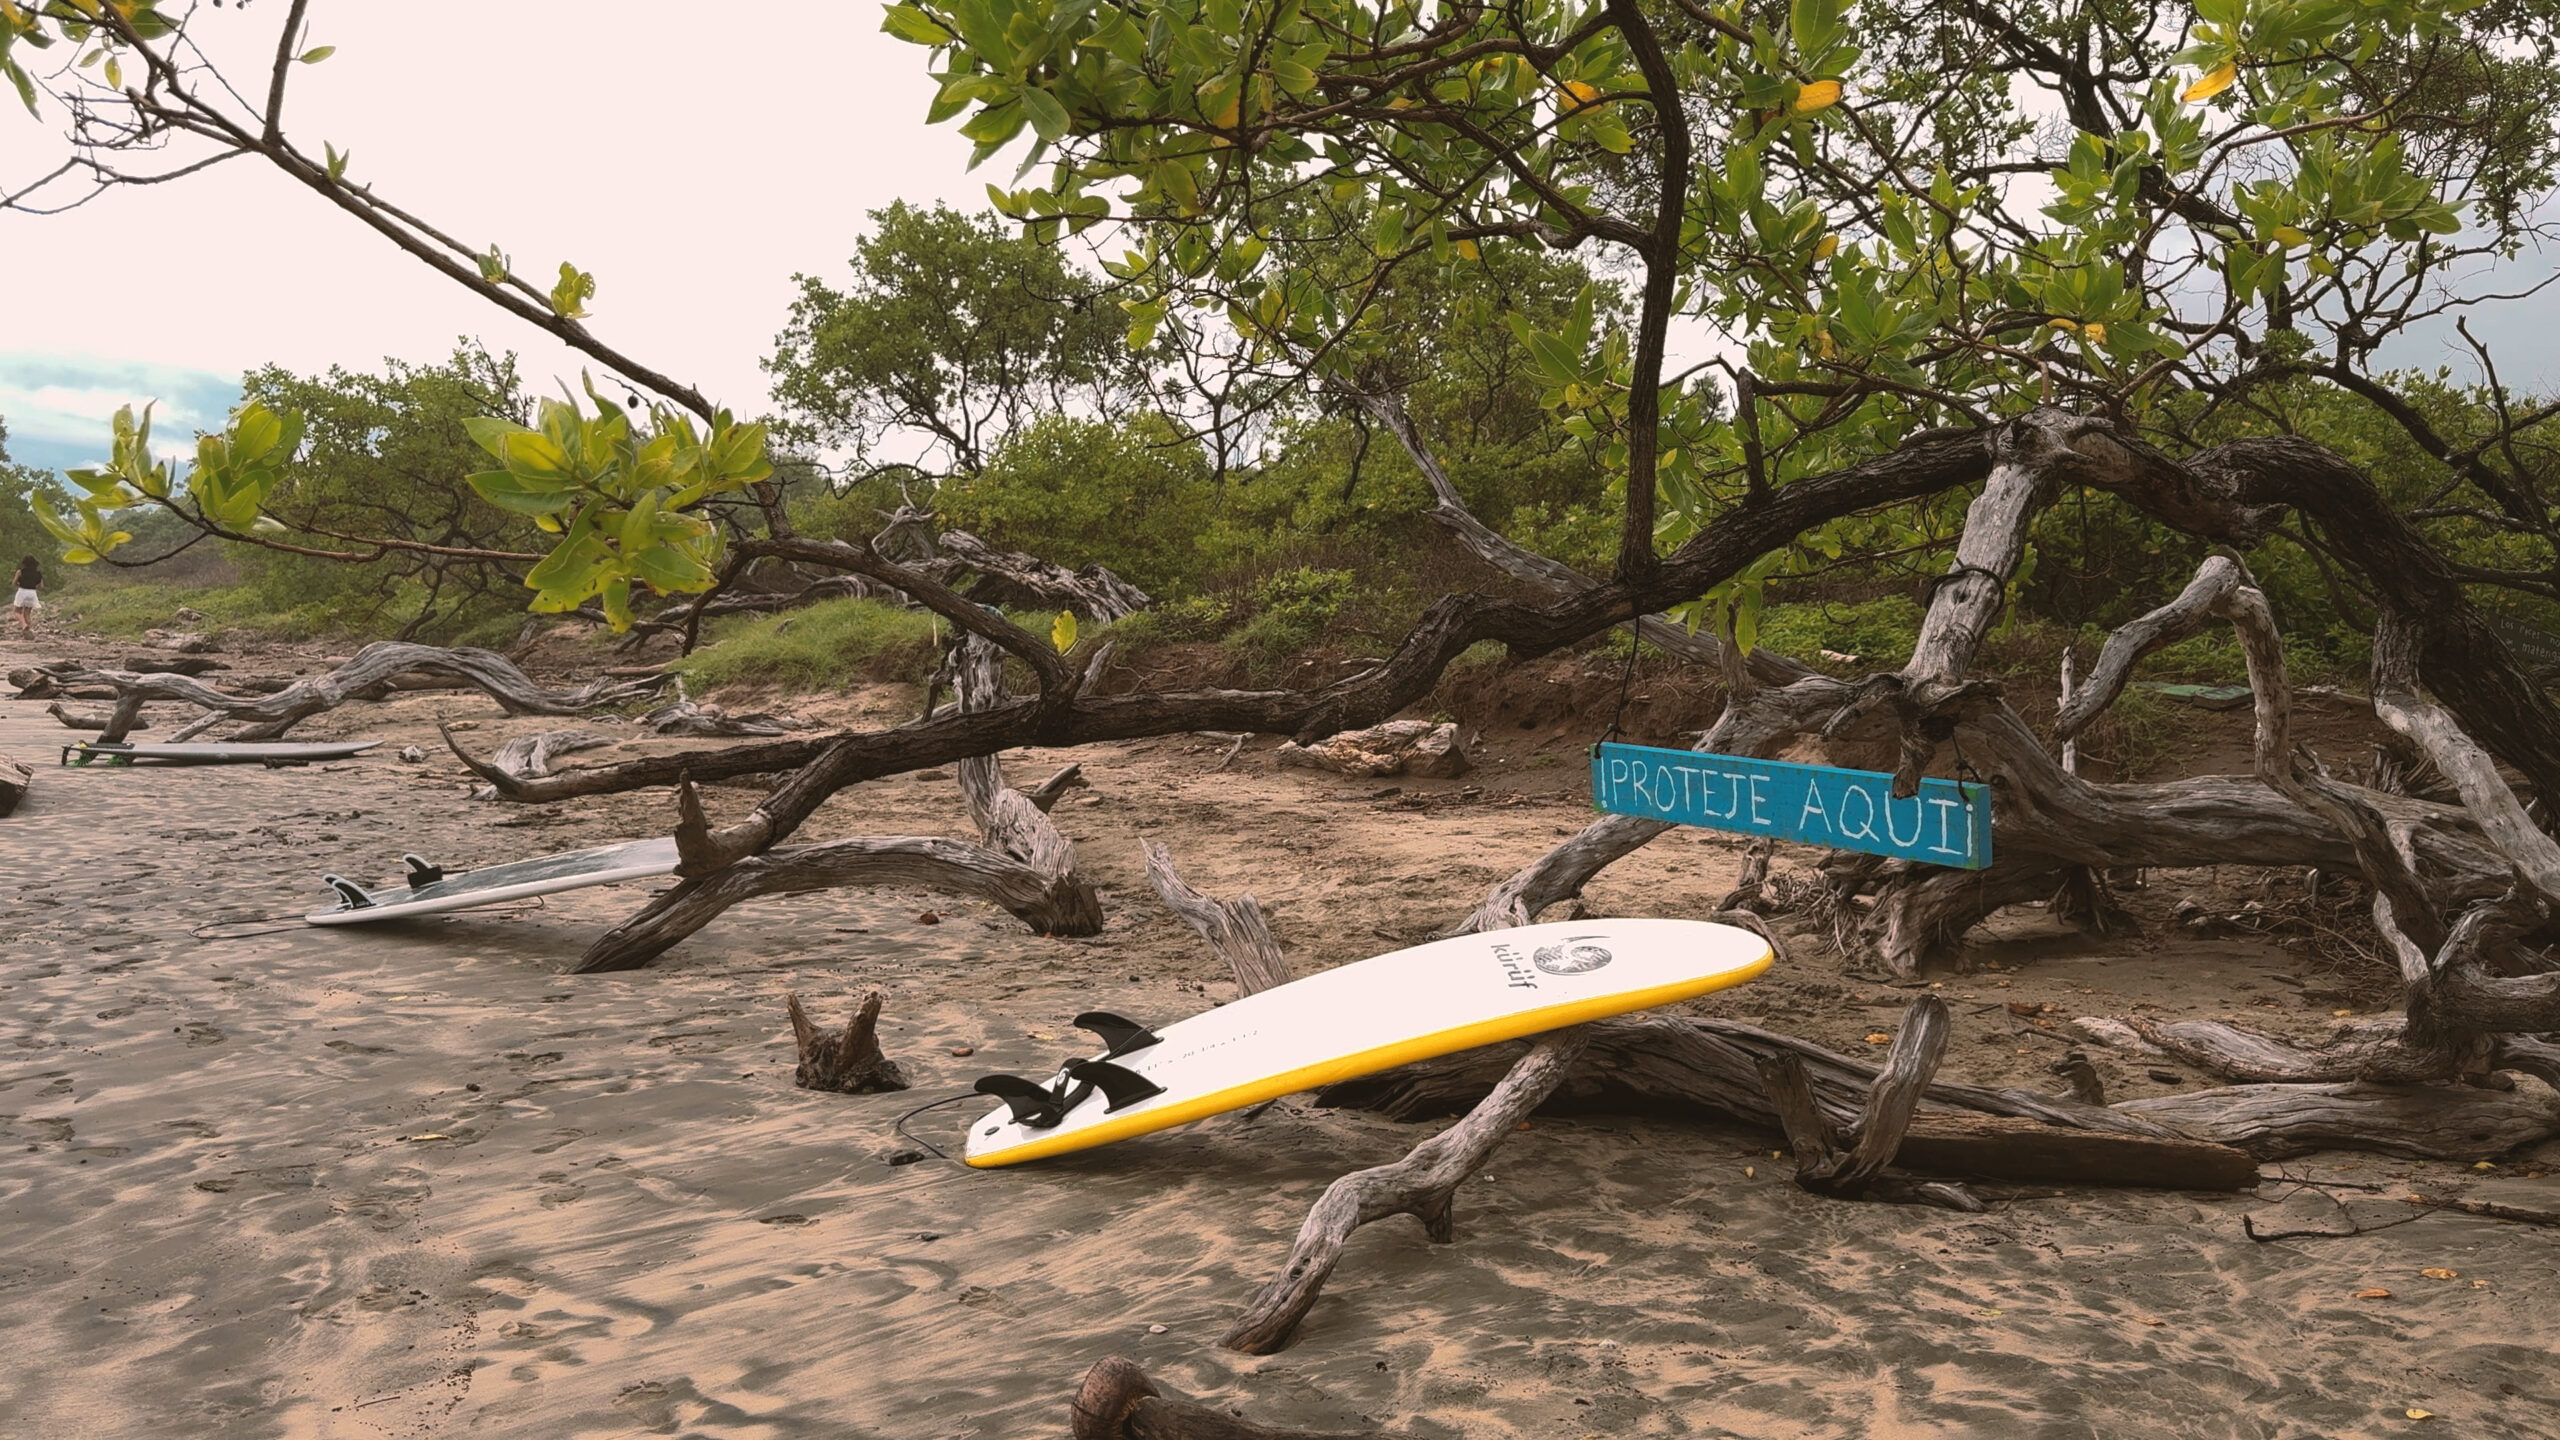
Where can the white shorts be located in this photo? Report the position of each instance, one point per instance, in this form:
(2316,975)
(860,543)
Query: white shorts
(26,601)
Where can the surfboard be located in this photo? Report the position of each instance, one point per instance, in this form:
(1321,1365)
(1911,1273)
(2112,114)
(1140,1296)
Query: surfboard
(1357,1019)
(254,752)
(433,890)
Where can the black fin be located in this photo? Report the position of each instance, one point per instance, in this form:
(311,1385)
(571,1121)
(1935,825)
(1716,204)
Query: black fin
(1121,1088)
(1119,1034)
(351,896)
(421,874)
(1032,1104)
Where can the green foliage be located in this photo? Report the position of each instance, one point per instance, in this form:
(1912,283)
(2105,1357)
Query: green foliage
(125,604)
(235,469)
(618,494)
(1135,496)
(381,456)
(1879,632)
(22,487)
(826,646)
(1289,612)
(951,335)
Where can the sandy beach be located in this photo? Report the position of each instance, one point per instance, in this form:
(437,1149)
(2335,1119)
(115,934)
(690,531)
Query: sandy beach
(261,1179)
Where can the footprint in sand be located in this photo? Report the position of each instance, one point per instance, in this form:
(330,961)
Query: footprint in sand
(200,1033)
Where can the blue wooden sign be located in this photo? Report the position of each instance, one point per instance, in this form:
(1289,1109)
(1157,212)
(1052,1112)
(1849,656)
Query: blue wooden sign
(1947,823)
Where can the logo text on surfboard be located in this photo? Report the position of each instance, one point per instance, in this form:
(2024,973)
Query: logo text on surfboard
(1947,823)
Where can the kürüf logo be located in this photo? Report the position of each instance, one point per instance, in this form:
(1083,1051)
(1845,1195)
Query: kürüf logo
(1576,955)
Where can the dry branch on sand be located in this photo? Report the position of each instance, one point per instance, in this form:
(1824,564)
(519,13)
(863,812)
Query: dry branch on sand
(1022,861)
(528,756)
(1116,1401)
(373,667)
(1399,747)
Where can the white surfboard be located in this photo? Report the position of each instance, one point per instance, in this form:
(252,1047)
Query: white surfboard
(1357,1019)
(215,752)
(433,891)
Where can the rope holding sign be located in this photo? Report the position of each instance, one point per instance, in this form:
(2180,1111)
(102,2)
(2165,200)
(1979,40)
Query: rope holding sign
(1626,682)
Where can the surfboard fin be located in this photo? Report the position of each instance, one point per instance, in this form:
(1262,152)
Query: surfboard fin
(1032,1104)
(421,874)
(351,896)
(1120,1088)
(1119,1034)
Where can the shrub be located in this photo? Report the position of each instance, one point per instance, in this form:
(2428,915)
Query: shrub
(1289,611)
(1879,632)
(1137,497)
(826,646)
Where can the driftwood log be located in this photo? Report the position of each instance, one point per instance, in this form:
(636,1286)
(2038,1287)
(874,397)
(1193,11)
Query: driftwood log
(525,756)
(1689,1065)
(1857,1172)
(1008,577)
(1432,750)
(15,780)
(1022,862)
(849,1061)
(85,717)
(1235,929)
(269,717)
(173,664)
(1423,1184)
(691,719)
(1891,1131)
(1117,1401)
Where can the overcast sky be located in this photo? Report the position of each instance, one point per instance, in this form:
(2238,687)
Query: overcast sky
(692,163)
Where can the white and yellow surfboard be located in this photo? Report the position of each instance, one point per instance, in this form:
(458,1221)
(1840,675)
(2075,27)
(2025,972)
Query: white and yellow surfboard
(1360,1018)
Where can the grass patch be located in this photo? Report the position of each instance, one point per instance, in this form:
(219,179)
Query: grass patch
(825,647)
(128,608)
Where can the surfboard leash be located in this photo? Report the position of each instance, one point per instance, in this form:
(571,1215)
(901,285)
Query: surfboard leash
(899,1125)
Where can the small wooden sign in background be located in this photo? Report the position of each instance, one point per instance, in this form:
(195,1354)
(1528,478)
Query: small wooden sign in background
(1947,823)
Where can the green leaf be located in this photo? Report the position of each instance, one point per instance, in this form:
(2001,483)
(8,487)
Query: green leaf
(1062,631)
(1048,117)
(911,24)
(569,297)
(504,490)
(316,54)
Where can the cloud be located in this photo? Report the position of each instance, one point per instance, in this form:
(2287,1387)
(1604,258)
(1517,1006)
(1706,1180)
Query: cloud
(58,407)
(691,166)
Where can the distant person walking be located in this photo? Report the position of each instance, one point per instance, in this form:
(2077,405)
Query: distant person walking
(30,580)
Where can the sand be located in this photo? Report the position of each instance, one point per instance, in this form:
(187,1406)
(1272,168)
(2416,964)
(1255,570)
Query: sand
(416,1182)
